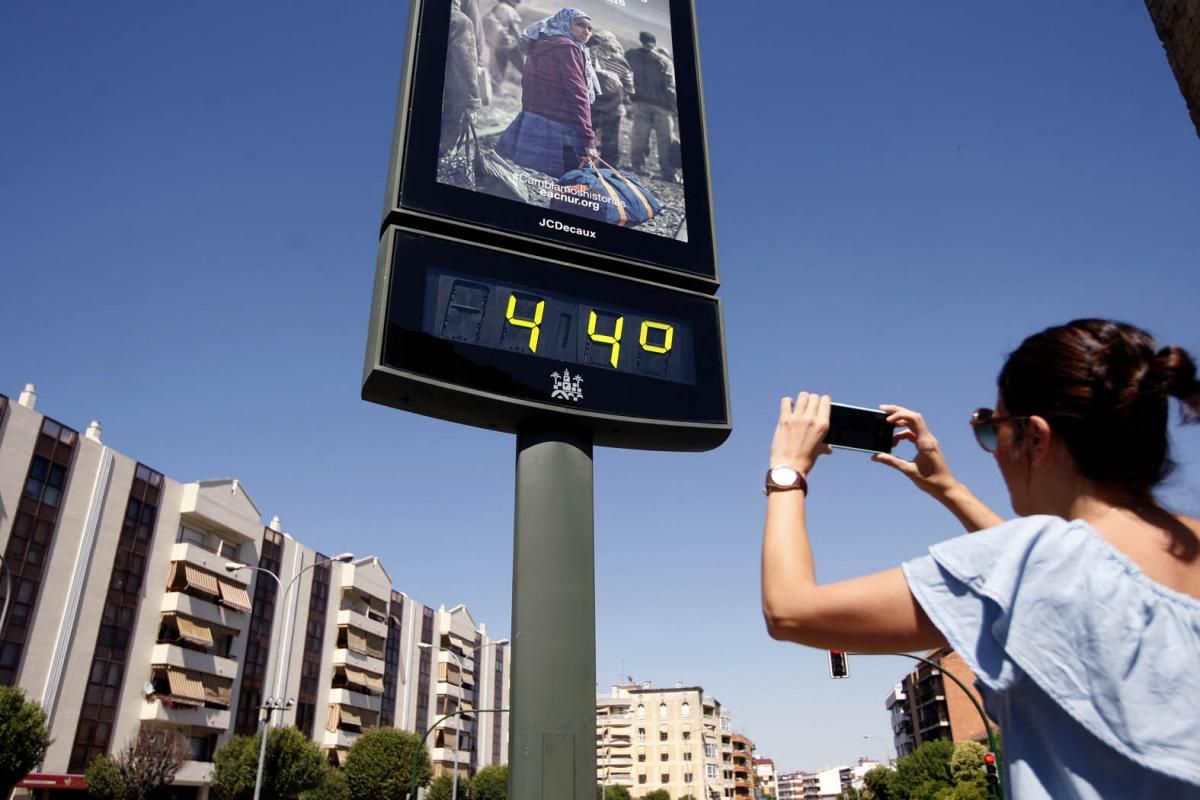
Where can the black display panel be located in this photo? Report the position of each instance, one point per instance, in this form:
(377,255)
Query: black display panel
(627,90)
(491,338)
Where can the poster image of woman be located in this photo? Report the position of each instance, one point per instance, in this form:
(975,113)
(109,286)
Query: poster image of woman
(564,92)
(553,132)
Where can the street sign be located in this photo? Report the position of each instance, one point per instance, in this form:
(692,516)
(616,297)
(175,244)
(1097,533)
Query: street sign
(640,72)
(501,340)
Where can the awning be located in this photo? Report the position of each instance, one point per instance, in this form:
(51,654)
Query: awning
(234,596)
(217,690)
(341,755)
(363,643)
(194,631)
(186,688)
(335,718)
(361,678)
(200,580)
(351,717)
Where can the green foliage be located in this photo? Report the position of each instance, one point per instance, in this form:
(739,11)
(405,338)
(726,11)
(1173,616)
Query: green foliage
(442,788)
(688,797)
(23,737)
(922,773)
(491,783)
(333,786)
(876,784)
(966,764)
(104,779)
(613,793)
(293,764)
(382,763)
(657,794)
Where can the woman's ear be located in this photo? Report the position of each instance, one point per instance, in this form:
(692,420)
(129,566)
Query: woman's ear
(1037,439)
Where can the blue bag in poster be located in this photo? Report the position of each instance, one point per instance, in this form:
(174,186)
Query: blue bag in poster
(605,194)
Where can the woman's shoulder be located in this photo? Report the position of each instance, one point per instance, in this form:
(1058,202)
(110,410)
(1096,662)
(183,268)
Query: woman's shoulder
(1052,556)
(1052,600)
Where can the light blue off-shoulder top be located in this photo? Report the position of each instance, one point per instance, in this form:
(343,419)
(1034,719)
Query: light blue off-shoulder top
(1091,669)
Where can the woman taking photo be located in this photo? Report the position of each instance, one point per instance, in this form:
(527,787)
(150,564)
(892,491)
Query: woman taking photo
(553,133)
(1081,617)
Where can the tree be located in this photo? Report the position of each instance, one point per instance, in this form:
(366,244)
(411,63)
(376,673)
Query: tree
(612,793)
(491,783)
(381,764)
(966,763)
(23,737)
(875,784)
(149,762)
(657,794)
(442,788)
(104,779)
(333,786)
(923,772)
(141,770)
(293,764)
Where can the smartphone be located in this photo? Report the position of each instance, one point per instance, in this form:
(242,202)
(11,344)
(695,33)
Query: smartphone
(854,428)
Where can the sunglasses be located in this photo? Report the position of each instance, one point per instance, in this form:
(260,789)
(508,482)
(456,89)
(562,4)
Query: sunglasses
(986,426)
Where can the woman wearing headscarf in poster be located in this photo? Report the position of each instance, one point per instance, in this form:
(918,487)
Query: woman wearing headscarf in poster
(553,133)
(461,95)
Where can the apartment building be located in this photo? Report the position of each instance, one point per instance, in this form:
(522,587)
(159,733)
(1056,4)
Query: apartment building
(137,600)
(791,785)
(743,766)
(764,778)
(927,705)
(651,738)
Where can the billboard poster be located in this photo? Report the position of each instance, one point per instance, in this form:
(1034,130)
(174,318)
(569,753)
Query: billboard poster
(569,108)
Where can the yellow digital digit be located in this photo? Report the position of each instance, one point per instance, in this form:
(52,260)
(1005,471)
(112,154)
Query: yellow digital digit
(603,338)
(534,324)
(665,347)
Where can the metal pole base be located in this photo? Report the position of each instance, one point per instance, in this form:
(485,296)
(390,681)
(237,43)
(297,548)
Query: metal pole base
(552,724)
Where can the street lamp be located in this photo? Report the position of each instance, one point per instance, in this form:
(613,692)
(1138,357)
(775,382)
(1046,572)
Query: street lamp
(461,671)
(276,701)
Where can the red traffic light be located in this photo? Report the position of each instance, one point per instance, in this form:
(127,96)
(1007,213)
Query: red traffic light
(839,664)
(989,758)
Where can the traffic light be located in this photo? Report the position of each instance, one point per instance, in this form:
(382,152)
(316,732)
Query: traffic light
(839,665)
(989,769)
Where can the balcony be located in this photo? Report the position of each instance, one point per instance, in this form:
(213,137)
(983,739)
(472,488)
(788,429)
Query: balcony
(346,697)
(343,657)
(367,578)
(172,655)
(339,739)
(194,773)
(203,610)
(158,710)
(194,554)
(356,618)
(450,690)
(447,755)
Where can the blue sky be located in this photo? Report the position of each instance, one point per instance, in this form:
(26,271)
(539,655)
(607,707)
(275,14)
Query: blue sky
(189,210)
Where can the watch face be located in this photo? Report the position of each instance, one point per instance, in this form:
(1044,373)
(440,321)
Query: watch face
(784,476)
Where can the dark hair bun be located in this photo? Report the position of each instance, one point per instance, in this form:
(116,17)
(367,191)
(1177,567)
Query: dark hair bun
(1173,372)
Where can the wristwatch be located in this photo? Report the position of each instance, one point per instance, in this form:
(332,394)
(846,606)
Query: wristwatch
(782,478)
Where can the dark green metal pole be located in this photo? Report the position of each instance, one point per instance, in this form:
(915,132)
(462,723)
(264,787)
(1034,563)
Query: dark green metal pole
(552,725)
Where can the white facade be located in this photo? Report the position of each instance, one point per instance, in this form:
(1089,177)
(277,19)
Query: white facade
(129,608)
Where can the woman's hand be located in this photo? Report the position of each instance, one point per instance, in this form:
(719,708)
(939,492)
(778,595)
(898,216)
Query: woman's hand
(928,469)
(929,472)
(800,432)
(591,153)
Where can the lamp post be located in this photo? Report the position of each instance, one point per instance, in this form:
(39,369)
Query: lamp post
(276,701)
(461,671)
